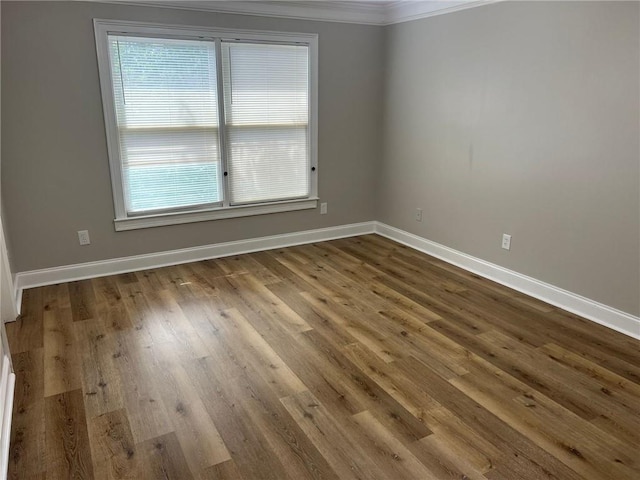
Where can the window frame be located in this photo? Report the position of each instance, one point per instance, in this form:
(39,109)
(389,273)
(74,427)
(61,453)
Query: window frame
(123,221)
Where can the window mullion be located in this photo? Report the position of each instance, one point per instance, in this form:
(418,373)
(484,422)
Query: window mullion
(222,134)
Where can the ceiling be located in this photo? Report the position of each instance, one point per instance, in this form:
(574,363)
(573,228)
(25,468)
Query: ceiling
(372,12)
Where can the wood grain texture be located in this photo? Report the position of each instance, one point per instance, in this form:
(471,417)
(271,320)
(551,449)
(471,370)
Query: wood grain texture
(67,440)
(354,359)
(113,450)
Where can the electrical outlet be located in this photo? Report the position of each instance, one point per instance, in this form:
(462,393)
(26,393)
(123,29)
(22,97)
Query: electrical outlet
(418,214)
(83,237)
(506,241)
(323,208)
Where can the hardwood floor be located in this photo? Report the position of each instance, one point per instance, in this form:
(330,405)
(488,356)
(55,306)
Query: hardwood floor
(352,359)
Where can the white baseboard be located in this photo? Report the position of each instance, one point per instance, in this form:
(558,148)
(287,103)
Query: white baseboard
(5,434)
(603,314)
(81,271)
(7,305)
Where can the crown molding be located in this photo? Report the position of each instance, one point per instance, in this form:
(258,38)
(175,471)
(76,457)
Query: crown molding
(401,11)
(372,12)
(368,13)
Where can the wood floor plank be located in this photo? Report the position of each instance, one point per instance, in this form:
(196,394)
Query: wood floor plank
(106,293)
(560,433)
(436,350)
(588,396)
(247,446)
(67,439)
(163,458)
(113,450)
(460,439)
(145,318)
(138,391)
(198,436)
(55,296)
(256,294)
(83,300)
(317,318)
(472,321)
(249,264)
(222,471)
(179,329)
(336,285)
(270,261)
(348,458)
(621,346)
(259,353)
(62,371)
(357,358)
(356,323)
(28,454)
(458,447)
(493,429)
(445,459)
(541,374)
(392,449)
(284,437)
(147,280)
(591,369)
(374,398)
(101,381)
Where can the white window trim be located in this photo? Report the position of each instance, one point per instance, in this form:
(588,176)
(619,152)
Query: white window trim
(103,28)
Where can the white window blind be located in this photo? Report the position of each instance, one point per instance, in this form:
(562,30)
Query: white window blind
(165,96)
(206,123)
(266,101)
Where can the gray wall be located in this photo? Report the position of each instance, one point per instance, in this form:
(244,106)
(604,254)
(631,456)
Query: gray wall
(521,118)
(7,297)
(514,117)
(55,175)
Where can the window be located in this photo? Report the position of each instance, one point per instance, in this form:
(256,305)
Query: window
(204,124)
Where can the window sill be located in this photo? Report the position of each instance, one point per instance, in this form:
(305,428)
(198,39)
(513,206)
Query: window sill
(149,221)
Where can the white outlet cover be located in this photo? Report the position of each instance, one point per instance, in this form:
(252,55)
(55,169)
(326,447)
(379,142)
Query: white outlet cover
(506,241)
(83,237)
